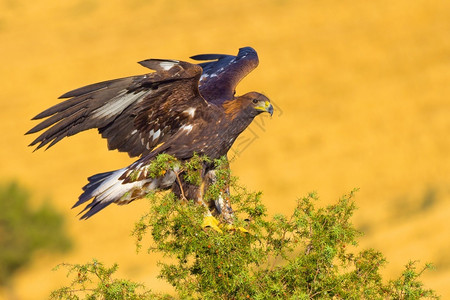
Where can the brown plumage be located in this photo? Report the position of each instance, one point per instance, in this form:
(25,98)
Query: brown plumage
(180,109)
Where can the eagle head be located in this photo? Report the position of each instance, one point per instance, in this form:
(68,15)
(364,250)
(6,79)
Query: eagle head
(255,103)
(247,106)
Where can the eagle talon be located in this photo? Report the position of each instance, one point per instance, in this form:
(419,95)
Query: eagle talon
(242,229)
(230,227)
(211,222)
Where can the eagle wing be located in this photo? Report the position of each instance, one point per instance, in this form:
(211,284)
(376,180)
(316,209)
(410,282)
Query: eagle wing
(134,114)
(222,73)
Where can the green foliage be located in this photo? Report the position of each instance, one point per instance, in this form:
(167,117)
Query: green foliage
(301,256)
(95,281)
(161,165)
(407,286)
(193,168)
(24,230)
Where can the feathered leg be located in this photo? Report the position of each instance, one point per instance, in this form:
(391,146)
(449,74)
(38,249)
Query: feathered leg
(220,206)
(186,190)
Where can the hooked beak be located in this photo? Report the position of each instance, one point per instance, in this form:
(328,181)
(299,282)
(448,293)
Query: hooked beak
(266,106)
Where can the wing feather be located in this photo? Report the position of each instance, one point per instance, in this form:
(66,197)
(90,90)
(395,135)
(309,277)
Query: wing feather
(126,110)
(223,73)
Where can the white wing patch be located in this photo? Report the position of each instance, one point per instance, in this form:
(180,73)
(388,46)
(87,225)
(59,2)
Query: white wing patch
(215,74)
(167,65)
(186,128)
(190,111)
(117,104)
(156,135)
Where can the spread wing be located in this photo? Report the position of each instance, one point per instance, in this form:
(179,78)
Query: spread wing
(134,114)
(222,73)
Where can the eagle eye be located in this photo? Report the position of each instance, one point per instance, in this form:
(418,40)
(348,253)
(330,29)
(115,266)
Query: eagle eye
(255,101)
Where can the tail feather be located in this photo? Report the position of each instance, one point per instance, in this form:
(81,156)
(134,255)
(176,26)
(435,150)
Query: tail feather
(96,180)
(106,188)
(94,207)
(98,183)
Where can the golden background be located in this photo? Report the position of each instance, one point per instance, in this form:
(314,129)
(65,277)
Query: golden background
(362,91)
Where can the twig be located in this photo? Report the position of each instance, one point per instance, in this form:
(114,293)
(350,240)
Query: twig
(183,196)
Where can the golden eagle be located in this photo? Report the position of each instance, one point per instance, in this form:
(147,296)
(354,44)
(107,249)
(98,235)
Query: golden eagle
(181,109)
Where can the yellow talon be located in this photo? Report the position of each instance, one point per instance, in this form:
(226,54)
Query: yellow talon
(210,221)
(242,229)
(231,227)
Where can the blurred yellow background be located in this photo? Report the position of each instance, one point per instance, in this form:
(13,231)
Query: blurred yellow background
(363,96)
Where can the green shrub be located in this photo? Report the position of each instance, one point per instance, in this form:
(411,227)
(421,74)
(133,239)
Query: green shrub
(301,256)
(25,230)
(95,281)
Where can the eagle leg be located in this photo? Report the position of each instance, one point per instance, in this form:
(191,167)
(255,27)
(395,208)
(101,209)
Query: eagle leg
(219,215)
(221,206)
(185,190)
